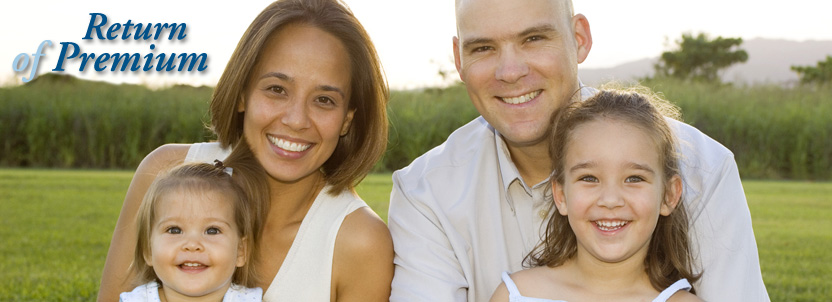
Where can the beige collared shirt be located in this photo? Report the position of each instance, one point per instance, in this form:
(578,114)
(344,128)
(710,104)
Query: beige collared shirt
(461,214)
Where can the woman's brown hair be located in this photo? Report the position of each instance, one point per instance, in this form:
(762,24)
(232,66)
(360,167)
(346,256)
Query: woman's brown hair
(669,257)
(363,145)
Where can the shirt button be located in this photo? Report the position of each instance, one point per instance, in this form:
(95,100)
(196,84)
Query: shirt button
(543,214)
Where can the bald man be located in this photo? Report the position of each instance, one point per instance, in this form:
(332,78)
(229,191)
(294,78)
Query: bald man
(474,207)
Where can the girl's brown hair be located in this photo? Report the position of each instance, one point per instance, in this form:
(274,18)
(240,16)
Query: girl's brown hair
(669,257)
(363,145)
(248,191)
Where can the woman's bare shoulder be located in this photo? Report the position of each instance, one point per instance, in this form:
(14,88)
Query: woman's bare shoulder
(363,260)
(363,231)
(166,156)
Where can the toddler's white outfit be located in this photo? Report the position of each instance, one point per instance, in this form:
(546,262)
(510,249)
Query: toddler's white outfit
(150,293)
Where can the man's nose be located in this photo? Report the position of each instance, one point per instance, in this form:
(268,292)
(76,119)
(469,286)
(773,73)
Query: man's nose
(511,66)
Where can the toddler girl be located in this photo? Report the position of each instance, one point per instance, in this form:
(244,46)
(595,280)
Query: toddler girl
(198,231)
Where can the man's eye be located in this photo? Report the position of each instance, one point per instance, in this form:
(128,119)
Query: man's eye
(174,230)
(212,231)
(534,38)
(481,49)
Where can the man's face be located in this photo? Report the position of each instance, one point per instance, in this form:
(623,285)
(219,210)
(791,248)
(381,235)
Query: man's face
(519,61)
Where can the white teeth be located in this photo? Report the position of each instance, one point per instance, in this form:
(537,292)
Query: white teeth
(521,99)
(191,264)
(610,225)
(289,146)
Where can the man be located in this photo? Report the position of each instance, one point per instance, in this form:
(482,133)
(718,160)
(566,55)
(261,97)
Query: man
(473,207)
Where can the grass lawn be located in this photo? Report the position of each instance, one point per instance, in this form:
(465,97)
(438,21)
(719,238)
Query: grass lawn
(56,226)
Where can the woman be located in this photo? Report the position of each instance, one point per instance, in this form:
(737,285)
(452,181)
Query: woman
(304,90)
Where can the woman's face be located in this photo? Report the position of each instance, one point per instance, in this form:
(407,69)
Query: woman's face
(296,104)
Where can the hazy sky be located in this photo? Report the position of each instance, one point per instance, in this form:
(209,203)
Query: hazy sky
(413,37)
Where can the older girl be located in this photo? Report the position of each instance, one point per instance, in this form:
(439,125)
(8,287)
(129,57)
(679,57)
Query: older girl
(620,230)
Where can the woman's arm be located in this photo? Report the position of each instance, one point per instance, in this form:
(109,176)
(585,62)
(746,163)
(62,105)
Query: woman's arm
(115,278)
(362,267)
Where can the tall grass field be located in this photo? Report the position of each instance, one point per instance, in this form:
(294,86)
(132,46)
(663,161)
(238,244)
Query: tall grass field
(59,121)
(56,228)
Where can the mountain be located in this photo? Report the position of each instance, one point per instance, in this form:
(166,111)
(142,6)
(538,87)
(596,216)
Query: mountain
(769,61)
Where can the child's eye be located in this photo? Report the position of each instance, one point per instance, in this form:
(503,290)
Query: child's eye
(588,178)
(212,231)
(634,179)
(173,230)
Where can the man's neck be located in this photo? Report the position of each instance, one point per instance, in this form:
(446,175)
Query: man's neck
(532,162)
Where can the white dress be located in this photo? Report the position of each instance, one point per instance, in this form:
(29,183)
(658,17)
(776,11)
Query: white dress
(306,272)
(149,292)
(515,296)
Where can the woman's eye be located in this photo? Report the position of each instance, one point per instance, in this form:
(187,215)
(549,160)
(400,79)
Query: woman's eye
(325,100)
(212,231)
(173,230)
(276,89)
(634,179)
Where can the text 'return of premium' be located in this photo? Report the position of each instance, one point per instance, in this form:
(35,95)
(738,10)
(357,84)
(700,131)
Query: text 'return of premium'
(97,29)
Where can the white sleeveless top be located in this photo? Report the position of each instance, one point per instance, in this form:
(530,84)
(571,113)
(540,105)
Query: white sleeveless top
(515,296)
(306,273)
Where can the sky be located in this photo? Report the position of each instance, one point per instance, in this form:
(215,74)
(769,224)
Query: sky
(413,37)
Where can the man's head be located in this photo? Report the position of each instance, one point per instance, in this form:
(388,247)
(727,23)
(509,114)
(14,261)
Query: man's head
(519,60)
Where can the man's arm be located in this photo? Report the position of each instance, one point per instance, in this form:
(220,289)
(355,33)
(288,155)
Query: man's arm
(426,267)
(728,250)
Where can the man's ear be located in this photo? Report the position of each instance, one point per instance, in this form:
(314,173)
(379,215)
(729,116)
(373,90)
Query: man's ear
(458,59)
(673,194)
(242,252)
(583,36)
(560,197)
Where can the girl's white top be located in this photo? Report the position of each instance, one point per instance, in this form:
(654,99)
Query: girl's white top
(515,296)
(150,293)
(306,272)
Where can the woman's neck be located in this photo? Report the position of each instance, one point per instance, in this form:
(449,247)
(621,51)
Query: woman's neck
(292,200)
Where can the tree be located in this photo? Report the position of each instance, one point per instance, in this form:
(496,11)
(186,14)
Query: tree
(815,74)
(700,58)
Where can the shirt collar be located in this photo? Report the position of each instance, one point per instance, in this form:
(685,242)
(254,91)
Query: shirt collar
(508,171)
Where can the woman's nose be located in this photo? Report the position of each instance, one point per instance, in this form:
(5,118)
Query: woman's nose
(296,115)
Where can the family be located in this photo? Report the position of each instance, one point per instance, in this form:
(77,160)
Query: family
(557,192)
